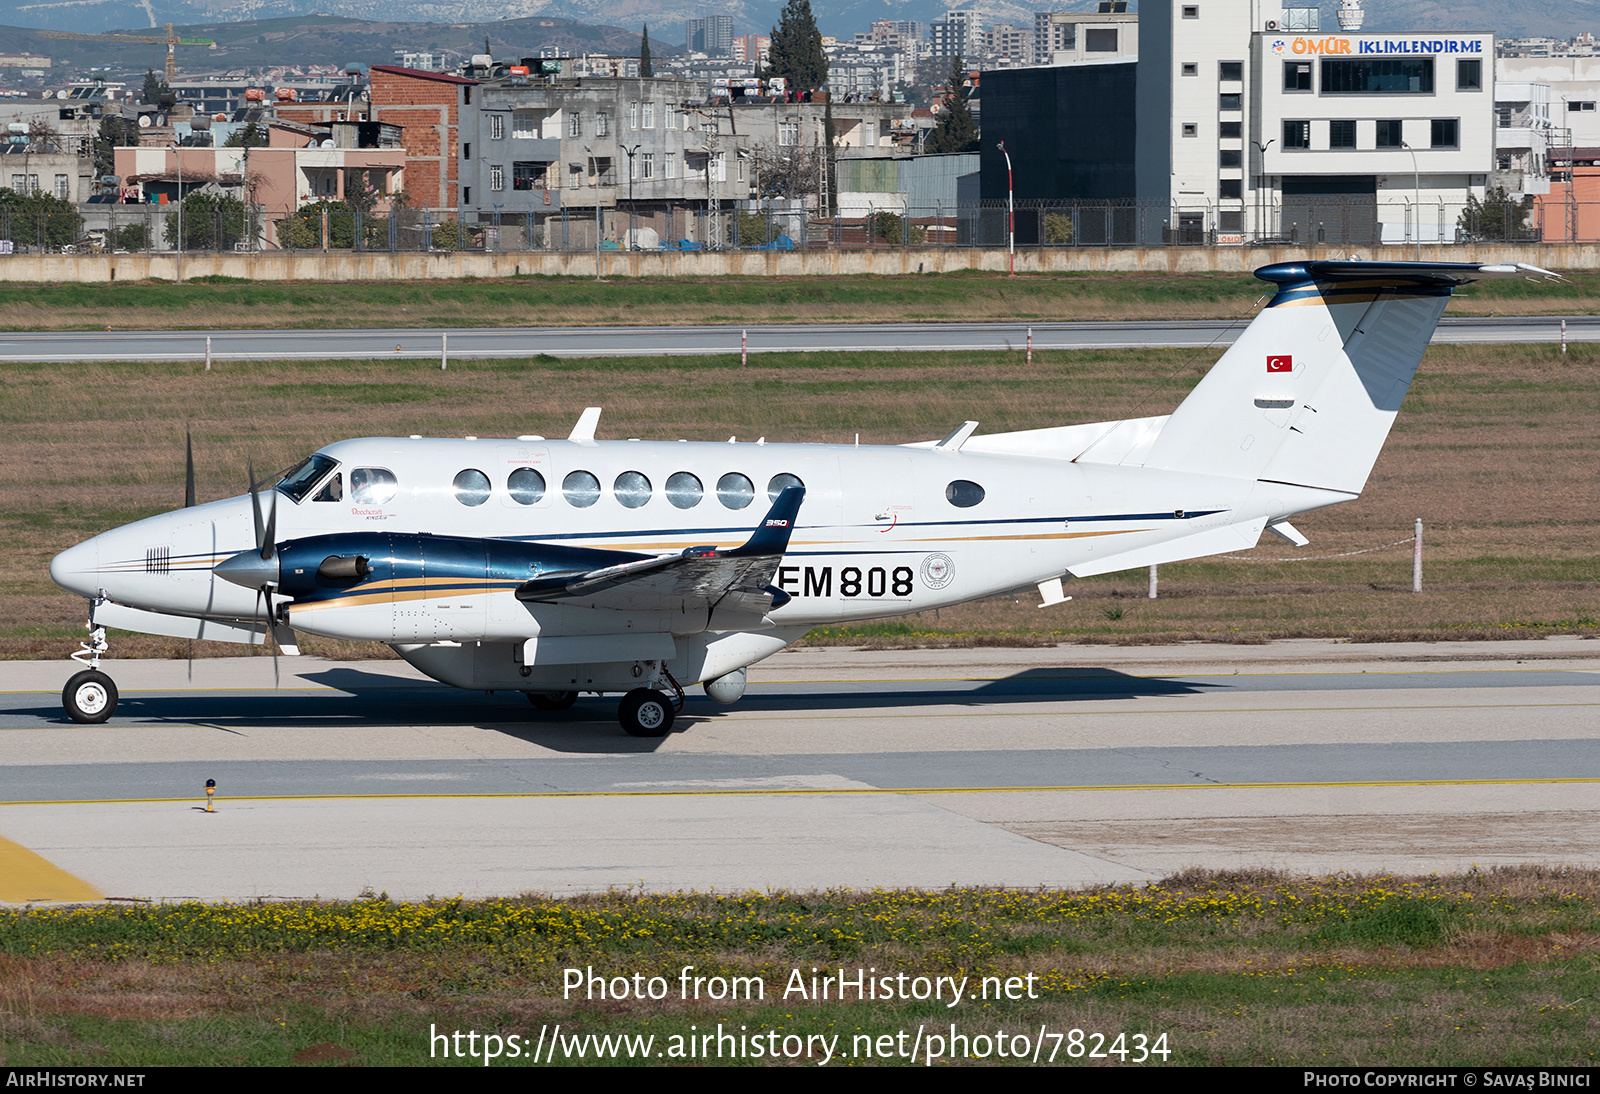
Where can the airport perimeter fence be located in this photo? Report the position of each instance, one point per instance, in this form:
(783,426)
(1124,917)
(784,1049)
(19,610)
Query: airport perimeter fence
(230,225)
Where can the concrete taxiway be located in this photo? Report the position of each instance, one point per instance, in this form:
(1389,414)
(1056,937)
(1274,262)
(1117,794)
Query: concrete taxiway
(1066,766)
(521,342)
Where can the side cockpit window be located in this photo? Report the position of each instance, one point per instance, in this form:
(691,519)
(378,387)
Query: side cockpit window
(332,490)
(304,476)
(372,485)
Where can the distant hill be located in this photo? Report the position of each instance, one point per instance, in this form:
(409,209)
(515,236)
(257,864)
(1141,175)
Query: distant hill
(327,40)
(262,33)
(1504,18)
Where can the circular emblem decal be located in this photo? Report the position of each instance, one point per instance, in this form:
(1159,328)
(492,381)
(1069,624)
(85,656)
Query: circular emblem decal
(938,571)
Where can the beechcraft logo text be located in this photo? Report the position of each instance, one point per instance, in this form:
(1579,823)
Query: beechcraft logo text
(1280,362)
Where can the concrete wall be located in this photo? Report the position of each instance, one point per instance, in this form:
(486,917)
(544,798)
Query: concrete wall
(412,266)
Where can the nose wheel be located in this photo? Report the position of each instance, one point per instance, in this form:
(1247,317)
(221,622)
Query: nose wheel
(90,697)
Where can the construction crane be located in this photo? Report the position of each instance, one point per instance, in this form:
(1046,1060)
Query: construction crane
(170,41)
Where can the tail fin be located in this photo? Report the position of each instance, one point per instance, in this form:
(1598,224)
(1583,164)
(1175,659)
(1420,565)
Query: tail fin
(1307,394)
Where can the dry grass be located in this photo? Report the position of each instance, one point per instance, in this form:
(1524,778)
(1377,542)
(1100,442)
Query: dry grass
(544,301)
(1495,450)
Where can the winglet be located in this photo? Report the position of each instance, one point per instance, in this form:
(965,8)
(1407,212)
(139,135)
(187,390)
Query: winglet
(772,534)
(583,432)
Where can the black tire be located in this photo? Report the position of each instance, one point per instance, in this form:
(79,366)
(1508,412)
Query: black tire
(644,712)
(552,700)
(89,697)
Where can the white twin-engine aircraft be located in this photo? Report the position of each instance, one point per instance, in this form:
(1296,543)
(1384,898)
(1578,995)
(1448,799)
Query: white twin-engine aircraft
(560,567)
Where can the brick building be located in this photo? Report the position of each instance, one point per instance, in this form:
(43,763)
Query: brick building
(428,105)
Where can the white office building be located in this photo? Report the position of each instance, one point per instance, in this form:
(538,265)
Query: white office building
(1254,122)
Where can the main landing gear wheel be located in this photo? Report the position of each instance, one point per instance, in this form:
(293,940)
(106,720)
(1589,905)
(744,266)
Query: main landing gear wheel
(645,712)
(552,700)
(89,697)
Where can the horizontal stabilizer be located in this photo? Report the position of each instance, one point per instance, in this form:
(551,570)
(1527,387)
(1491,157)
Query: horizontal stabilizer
(1211,541)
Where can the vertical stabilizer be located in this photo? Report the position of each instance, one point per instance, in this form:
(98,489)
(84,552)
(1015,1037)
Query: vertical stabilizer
(1307,394)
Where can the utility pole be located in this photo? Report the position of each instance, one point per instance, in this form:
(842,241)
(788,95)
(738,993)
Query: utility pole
(633,238)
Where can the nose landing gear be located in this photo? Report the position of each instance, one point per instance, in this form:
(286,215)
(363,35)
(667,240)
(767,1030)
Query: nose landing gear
(90,696)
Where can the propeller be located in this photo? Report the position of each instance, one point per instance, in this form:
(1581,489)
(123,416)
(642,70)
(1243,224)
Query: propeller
(257,568)
(188,468)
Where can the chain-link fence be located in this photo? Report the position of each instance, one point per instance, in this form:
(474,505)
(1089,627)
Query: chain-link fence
(222,224)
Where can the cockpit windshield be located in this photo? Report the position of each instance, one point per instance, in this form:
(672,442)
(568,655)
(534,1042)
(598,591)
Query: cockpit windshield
(298,481)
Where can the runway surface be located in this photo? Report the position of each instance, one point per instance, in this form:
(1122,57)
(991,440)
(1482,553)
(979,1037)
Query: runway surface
(507,342)
(1063,767)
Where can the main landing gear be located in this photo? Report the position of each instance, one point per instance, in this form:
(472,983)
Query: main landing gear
(552,700)
(90,697)
(643,712)
(646,712)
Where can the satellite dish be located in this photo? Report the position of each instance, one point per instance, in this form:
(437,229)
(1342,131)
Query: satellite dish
(144,121)
(328,143)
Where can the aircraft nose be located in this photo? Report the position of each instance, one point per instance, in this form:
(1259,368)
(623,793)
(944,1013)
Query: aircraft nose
(77,569)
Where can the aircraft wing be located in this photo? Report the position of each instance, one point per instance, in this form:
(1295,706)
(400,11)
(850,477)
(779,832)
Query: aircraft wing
(704,578)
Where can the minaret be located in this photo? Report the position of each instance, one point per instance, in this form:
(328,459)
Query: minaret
(1350,15)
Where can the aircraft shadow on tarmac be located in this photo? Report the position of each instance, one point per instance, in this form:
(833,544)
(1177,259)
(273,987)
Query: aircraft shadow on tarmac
(366,699)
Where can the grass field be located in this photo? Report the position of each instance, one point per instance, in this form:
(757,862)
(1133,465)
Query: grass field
(1495,449)
(1497,968)
(544,301)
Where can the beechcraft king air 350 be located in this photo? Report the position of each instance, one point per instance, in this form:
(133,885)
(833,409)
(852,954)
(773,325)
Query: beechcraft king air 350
(562,567)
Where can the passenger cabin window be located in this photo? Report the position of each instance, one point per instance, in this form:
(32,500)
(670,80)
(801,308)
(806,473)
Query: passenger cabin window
(632,489)
(735,490)
(372,485)
(684,490)
(581,489)
(300,478)
(780,483)
(471,487)
(963,494)
(526,486)
(332,490)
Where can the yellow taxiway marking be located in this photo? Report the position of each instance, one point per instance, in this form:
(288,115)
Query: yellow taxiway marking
(842,792)
(27,878)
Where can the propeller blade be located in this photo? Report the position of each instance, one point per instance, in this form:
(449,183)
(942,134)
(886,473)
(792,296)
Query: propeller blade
(270,540)
(188,469)
(255,500)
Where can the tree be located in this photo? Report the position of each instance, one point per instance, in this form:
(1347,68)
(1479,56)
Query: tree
(929,74)
(113,133)
(210,222)
(251,136)
(131,237)
(796,50)
(788,171)
(646,69)
(39,218)
(956,131)
(153,87)
(42,136)
(303,230)
(1498,216)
